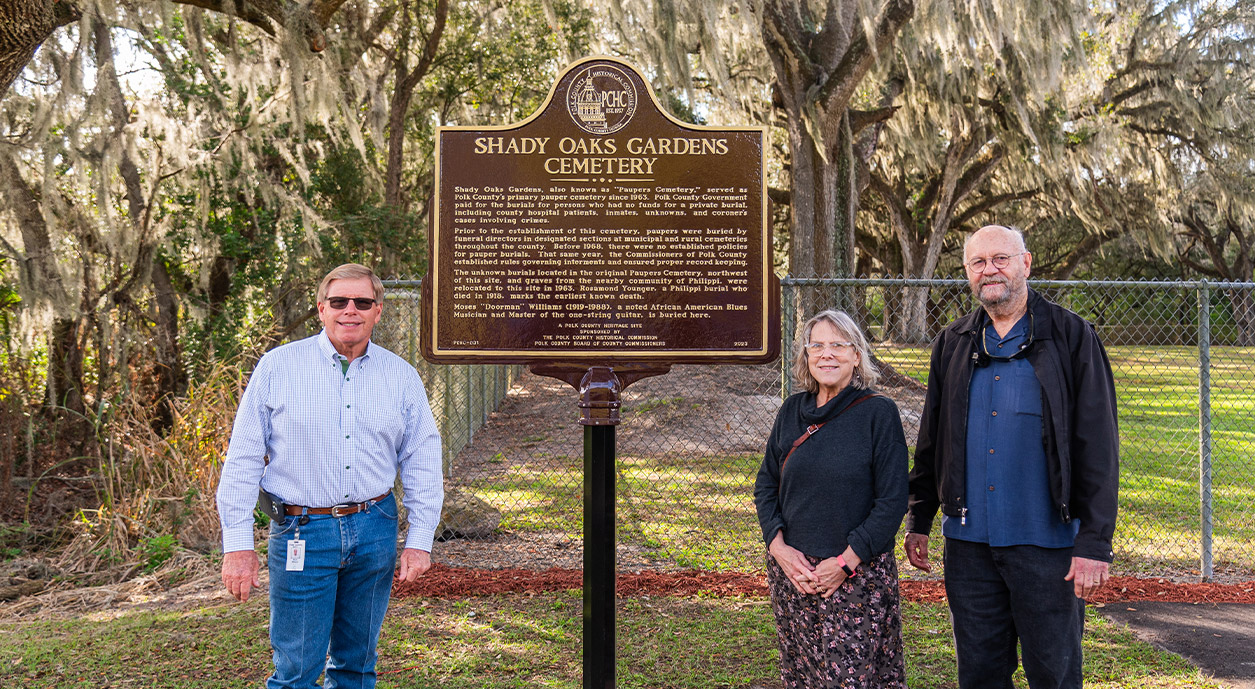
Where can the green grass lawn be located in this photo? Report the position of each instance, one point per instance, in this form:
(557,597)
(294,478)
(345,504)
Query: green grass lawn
(507,641)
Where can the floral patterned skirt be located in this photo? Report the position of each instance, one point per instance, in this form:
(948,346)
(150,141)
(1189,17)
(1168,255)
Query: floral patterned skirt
(852,639)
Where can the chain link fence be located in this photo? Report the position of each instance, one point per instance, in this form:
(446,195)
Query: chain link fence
(690,441)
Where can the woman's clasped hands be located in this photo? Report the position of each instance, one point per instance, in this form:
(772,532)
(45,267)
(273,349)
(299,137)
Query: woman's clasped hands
(828,574)
(822,579)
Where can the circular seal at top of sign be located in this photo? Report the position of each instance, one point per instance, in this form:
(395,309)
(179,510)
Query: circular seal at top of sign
(602,99)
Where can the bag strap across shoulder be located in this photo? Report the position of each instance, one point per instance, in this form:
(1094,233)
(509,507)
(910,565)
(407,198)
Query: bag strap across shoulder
(814,428)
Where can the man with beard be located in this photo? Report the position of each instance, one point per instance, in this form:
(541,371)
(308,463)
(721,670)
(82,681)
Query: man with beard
(1018,446)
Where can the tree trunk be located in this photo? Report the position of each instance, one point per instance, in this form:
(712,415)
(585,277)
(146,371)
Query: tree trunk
(64,388)
(26,25)
(171,376)
(403,93)
(844,207)
(912,324)
(819,62)
(41,285)
(1243,303)
(921,239)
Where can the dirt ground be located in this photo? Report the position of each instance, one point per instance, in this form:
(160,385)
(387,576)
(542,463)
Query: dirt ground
(692,411)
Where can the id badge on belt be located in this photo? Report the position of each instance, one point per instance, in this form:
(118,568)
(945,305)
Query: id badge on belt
(296,553)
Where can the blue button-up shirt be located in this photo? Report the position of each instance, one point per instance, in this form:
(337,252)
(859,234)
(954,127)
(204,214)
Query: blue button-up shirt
(332,436)
(1008,487)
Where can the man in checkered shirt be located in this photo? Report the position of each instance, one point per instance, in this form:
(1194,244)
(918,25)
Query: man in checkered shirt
(325,426)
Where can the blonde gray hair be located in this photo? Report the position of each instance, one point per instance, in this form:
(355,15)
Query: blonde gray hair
(866,374)
(351,271)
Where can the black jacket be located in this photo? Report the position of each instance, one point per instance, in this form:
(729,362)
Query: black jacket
(1079,427)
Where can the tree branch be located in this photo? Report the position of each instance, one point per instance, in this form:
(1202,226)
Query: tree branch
(780,197)
(787,31)
(861,119)
(1086,247)
(241,10)
(834,95)
(977,174)
(988,203)
(899,219)
(26,25)
(308,20)
(1199,231)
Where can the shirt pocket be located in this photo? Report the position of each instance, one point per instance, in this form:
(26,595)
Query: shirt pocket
(1027,390)
(380,423)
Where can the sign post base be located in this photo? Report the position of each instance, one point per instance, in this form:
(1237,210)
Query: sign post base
(599,557)
(599,388)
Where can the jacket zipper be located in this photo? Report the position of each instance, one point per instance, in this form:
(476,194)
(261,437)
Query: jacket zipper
(971,371)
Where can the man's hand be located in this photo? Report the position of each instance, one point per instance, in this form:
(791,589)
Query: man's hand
(414,563)
(917,551)
(239,573)
(1087,576)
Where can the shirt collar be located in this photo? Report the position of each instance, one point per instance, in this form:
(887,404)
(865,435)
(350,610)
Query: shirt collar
(328,350)
(1019,330)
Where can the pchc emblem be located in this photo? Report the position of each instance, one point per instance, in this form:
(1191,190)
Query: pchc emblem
(602,99)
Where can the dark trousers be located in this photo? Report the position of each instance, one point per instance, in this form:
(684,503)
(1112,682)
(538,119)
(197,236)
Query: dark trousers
(999,596)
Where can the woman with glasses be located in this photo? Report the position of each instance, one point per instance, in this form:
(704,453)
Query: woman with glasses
(831,494)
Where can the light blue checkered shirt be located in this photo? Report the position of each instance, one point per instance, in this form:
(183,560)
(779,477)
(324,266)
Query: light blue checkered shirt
(331,438)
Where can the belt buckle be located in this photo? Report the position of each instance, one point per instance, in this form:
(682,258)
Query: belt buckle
(345,509)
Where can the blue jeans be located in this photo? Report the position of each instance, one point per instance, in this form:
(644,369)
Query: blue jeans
(999,596)
(328,615)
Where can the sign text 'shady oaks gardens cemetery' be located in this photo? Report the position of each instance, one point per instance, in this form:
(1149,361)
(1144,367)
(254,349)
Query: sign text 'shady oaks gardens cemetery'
(600,230)
(599,242)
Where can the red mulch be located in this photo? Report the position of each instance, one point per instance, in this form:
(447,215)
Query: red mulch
(456,582)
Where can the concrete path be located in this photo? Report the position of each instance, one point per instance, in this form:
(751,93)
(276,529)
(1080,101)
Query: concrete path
(1217,637)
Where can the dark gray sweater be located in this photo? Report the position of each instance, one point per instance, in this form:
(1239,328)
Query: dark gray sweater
(846,485)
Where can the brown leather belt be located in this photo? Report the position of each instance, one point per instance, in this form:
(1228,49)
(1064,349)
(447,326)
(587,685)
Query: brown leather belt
(341,510)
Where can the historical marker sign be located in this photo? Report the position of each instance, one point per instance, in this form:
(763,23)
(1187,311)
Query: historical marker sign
(600,230)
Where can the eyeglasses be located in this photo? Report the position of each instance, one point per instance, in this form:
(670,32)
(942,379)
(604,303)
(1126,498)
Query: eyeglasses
(362,303)
(818,348)
(983,357)
(1000,261)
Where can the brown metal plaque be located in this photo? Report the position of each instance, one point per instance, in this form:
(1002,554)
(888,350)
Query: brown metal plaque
(600,229)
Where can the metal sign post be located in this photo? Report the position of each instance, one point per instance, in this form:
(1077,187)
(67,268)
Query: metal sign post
(599,405)
(600,388)
(600,241)
(599,557)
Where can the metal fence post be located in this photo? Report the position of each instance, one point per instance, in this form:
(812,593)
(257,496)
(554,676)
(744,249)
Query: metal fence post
(470,405)
(483,394)
(1204,427)
(497,388)
(411,342)
(446,418)
(786,336)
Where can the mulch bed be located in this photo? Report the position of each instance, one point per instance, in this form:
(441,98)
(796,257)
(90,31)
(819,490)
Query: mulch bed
(457,582)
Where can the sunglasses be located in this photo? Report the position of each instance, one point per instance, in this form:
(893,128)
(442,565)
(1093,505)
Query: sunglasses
(362,303)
